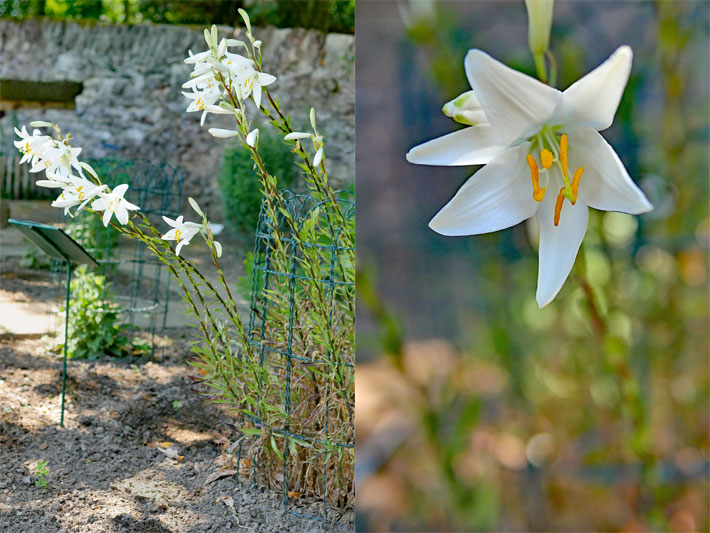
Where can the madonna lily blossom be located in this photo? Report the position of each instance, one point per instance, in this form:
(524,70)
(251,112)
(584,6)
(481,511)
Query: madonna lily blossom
(114,203)
(182,232)
(77,191)
(524,119)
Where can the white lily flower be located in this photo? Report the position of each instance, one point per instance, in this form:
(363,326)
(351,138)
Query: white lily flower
(203,101)
(250,81)
(77,191)
(252,137)
(182,232)
(30,145)
(114,203)
(526,118)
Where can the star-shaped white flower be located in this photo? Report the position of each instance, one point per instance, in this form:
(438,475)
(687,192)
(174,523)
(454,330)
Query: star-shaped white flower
(77,191)
(182,232)
(530,122)
(114,203)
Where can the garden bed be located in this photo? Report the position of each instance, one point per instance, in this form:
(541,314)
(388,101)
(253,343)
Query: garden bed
(111,468)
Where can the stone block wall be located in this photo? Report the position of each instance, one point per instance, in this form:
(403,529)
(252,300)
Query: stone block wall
(131,104)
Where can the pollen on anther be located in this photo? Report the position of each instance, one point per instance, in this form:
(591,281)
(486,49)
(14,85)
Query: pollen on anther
(546,158)
(563,154)
(558,206)
(575,183)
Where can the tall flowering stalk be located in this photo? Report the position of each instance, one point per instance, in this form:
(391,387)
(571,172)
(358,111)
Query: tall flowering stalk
(295,442)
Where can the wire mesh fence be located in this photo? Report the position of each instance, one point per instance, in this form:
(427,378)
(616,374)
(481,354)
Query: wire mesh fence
(306,390)
(141,287)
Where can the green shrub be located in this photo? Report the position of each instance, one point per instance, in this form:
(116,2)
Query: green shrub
(240,191)
(93,318)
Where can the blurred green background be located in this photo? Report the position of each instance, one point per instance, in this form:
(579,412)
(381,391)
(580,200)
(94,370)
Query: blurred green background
(325,15)
(476,411)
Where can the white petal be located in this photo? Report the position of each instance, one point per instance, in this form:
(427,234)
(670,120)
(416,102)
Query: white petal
(100,204)
(257,95)
(265,79)
(476,145)
(498,196)
(594,98)
(120,190)
(122,214)
(106,217)
(605,184)
(130,206)
(170,235)
(182,243)
(218,248)
(515,104)
(558,244)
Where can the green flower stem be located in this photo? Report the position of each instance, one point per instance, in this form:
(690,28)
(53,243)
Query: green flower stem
(540,67)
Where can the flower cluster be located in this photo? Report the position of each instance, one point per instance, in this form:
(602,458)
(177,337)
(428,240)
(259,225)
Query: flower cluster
(217,72)
(60,161)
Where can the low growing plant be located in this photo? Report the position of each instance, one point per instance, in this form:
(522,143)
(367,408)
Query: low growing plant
(41,471)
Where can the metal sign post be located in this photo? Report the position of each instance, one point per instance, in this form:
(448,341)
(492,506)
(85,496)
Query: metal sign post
(57,244)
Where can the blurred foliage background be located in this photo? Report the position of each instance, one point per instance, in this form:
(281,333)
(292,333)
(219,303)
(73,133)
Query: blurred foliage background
(477,411)
(324,15)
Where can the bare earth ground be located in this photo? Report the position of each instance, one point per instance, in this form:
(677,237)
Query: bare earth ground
(107,470)
(138,448)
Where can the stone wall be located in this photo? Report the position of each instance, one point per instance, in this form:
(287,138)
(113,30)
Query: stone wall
(131,105)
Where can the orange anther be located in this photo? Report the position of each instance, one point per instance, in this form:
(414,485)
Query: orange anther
(563,154)
(538,193)
(546,158)
(558,206)
(575,184)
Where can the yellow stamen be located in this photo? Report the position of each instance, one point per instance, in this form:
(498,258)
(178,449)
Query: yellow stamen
(538,193)
(563,154)
(575,184)
(177,235)
(546,158)
(558,206)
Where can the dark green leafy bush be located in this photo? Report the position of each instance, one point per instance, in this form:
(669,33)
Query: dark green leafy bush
(240,191)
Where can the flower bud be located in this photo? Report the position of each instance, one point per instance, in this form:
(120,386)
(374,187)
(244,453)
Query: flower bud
(252,137)
(540,22)
(222,134)
(465,109)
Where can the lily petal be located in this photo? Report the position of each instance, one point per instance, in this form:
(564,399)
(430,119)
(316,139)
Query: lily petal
(476,145)
(558,245)
(594,98)
(496,197)
(605,184)
(515,104)
(106,217)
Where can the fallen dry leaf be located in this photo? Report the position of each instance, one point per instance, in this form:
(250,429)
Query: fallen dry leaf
(294,494)
(219,475)
(165,444)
